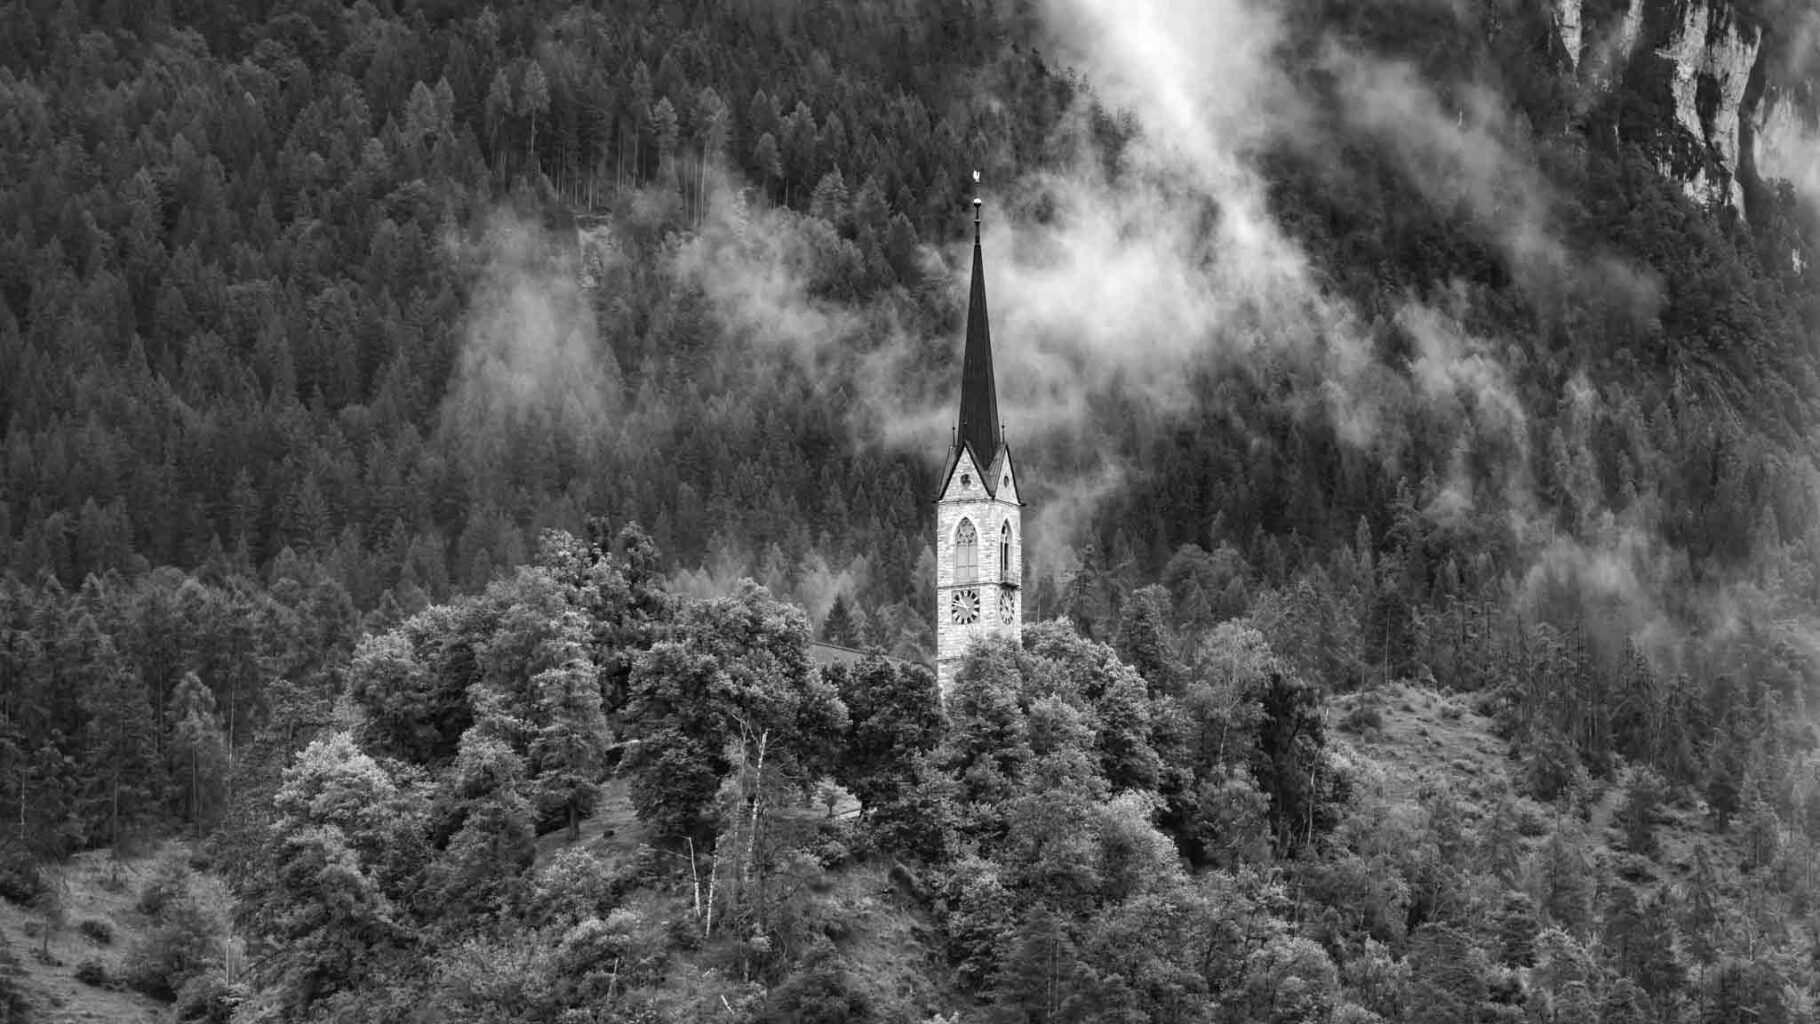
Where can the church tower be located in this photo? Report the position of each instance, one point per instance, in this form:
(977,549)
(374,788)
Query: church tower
(978,529)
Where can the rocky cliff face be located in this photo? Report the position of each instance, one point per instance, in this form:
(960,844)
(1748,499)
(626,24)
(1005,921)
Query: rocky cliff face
(1567,22)
(1711,59)
(1715,96)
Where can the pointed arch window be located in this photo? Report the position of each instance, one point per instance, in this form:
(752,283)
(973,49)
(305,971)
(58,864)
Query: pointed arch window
(1004,552)
(966,553)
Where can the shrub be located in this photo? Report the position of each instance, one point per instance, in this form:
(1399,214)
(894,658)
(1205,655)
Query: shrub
(97,931)
(170,881)
(90,972)
(13,1004)
(20,881)
(1551,768)
(1364,716)
(1531,822)
(180,949)
(574,886)
(684,933)
(832,853)
(823,992)
(206,998)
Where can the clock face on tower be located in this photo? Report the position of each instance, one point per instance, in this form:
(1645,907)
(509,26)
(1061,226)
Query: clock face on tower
(1007,605)
(964,607)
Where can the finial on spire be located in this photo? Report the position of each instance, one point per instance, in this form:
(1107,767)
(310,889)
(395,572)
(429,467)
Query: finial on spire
(977,203)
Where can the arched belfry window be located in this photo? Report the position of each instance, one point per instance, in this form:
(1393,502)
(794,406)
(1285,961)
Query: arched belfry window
(966,553)
(1004,552)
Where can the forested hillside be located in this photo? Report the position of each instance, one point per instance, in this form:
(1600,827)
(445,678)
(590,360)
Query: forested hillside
(395,395)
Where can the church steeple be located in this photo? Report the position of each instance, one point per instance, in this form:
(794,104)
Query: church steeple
(979,423)
(979,547)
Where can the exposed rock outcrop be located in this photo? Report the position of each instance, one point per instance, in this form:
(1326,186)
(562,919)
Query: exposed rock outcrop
(1567,22)
(1712,57)
(1705,87)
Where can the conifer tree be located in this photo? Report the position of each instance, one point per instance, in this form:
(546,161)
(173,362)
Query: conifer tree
(571,732)
(1291,764)
(1566,880)
(1637,814)
(495,842)
(198,752)
(1447,976)
(1143,640)
(1518,924)
(120,768)
(838,627)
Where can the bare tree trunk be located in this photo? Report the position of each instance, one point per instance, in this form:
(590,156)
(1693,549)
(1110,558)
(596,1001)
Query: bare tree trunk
(757,795)
(158,731)
(695,875)
(707,929)
(233,705)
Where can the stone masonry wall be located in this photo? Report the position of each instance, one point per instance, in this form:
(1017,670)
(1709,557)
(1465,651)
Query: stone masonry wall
(988,515)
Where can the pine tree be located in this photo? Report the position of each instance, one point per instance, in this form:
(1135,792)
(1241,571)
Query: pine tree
(572,732)
(1518,924)
(1447,976)
(1637,814)
(534,102)
(120,769)
(1724,782)
(1291,763)
(496,840)
(1567,882)
(1143,640)
(198,751)
(1040,968)
(837,628)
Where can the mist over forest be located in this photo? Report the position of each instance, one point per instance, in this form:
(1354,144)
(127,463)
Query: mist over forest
(433,434)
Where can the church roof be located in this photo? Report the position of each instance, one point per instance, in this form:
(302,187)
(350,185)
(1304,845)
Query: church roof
(979,422)
(989,475)
(821,653)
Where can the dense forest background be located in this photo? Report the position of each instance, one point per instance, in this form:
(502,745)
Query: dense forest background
(1388,345)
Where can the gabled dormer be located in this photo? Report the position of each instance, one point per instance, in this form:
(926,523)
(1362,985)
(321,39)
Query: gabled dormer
(1003,477)
(963,479)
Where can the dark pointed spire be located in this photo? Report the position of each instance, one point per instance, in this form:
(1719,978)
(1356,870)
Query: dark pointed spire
(979,423)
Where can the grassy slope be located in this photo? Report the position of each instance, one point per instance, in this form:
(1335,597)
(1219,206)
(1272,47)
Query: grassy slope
(1429,739)
(96,888)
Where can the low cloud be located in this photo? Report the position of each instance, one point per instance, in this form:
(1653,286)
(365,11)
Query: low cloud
(531,357)
(1789,150)
(1130,286)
